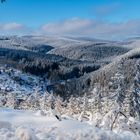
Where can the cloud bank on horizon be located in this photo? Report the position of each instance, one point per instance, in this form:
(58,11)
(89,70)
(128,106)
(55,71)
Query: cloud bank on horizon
(78,27)
(104,19)
(95,28)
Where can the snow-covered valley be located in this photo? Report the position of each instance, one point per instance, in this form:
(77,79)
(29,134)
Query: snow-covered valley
(69,70)
(50,96)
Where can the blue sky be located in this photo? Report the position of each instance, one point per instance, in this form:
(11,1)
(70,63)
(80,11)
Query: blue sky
(71,17)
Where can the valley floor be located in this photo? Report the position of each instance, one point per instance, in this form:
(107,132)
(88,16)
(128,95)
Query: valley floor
(29,125)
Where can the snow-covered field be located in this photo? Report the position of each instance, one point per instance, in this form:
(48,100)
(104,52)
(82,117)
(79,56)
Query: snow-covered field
(27,125)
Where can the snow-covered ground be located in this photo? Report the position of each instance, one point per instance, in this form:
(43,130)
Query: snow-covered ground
(27,125)
(13,80)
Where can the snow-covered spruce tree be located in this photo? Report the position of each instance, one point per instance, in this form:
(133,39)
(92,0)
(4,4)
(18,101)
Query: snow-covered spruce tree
(50,102)
(31,102)
(119,82)
(84,105)
(79,104)
(55,112)
(97,96)
(135,89)
(11,100)
(2,99)
(74,105)
(23,102)
(70,105)
(43,101)
(59,104)
(37,100)
(128,102)
(107,104)
(85,102)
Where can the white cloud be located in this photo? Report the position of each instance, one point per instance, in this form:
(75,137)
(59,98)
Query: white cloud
(67,26)
(78,27)
(102,29)
(14,28)
(11,26)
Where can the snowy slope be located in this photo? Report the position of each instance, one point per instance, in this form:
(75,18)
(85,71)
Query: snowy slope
(15,81)
(26,125)
(69,47)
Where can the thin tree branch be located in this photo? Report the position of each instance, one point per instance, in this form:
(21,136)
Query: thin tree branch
(114,121)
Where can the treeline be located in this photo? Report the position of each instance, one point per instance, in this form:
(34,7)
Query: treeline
(50,66)
(29,61)
(78,86)
(95,52)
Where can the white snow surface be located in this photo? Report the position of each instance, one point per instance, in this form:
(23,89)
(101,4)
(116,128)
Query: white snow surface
(28,125)
(15,81)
